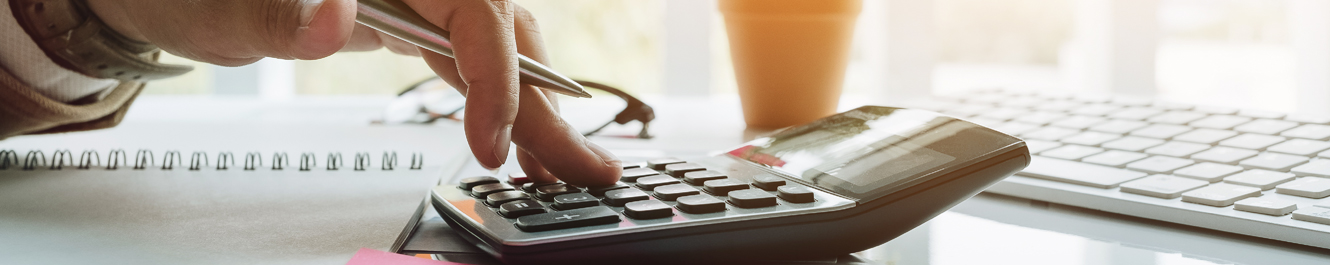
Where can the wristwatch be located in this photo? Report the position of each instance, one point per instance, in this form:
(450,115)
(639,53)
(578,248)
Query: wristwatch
(76,39)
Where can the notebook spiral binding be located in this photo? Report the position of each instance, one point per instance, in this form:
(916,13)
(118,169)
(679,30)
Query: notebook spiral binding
(144,159)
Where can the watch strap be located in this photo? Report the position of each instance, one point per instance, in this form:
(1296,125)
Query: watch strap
(76,39)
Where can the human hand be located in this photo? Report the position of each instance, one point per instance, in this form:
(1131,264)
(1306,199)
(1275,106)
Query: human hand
(487,35)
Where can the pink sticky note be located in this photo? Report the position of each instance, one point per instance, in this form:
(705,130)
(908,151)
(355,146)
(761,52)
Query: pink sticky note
(375,257)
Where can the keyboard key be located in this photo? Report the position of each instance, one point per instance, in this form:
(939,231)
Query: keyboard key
(1260,114)
(1302,147)
(499,198)
(484,190)
(1224,155)
(1132,101)
(1040,118)
(531,187)
(1095,110)
(1114,158)
(1003,114)
(1162,186)
(1313,214)
(1319,168)
(649,183)
(1270,127)
(752,198)
(1119,126)
(514,209)
(1210,172)
(1159,164)
(1037,146)
(1078,173)
(1176,117)
(600,191)
(1015,127)
(721,187)
(1171,105)
(1204,136)
(795,194)
(1071,152)
(700,204)
(1263,179)
(1177,149)
(677,170)
(1049,133)
(1135,113)
(1273,161)
(1130,143)
(1215,110)
(768,182)
(1309,131)
(1078,122)
(1160,131)
(599,215)
(471,182)
(674,191)
(517,179)
(631,175)
(1222,122)
(660,163)
(1090,138)
(698,177)
(1265,206)
(1303,118)
(1310,187)
(574,201)
(547,192)
(1058,106)
(1220,194)
(647,210)
(1252,141)
(620,197)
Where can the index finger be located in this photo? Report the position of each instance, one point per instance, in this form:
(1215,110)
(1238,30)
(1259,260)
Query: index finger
(486,59)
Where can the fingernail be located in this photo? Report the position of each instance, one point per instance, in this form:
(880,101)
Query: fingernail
(502,143)
(307,10)
(605,156)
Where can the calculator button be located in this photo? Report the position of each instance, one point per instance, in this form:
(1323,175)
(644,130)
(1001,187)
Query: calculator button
(659,163)
(471,182)
(499,198)
(698,177)
(647,210)
(649,183)
(795,194)
(517,179)
(768,182)
(721,187)
(674,191)
(514,209)
(752,198)
(620,197)
(600,191)
(631,175)
(677,170)
(547,192)
(627,166)
(531,187)
(574,201)
(699,204)
(598,215)
(485,190)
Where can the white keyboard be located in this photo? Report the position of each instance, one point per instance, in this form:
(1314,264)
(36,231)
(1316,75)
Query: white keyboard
(1248,172)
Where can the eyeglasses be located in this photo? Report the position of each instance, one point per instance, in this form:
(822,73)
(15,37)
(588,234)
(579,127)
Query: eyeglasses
(432,99)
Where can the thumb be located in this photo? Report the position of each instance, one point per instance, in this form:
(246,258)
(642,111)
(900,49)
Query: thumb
(303,29)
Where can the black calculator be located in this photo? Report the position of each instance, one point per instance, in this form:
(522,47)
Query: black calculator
(838,185)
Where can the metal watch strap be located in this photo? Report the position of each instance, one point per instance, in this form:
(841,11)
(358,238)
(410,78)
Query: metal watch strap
(75,38)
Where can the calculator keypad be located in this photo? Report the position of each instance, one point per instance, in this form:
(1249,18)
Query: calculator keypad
(649,194)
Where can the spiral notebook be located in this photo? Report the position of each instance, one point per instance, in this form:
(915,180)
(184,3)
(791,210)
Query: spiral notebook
(217,194)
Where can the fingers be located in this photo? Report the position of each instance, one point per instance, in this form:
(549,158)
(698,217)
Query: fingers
(533,168)
(234,32)
(561,150)
(486,62)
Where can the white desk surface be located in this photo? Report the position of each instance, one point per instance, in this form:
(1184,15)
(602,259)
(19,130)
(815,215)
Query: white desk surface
(988,229)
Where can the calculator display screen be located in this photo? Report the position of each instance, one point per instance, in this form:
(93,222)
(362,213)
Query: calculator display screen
(870,151)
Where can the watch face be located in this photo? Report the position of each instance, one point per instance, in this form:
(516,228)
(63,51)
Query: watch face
(869,152)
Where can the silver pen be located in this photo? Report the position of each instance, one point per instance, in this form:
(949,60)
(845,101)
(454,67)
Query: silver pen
(396,19)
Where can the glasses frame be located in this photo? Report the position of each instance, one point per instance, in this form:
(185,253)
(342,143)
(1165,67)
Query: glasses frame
(634,110)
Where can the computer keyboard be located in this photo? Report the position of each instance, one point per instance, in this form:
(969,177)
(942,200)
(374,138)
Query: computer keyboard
(1249,172)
